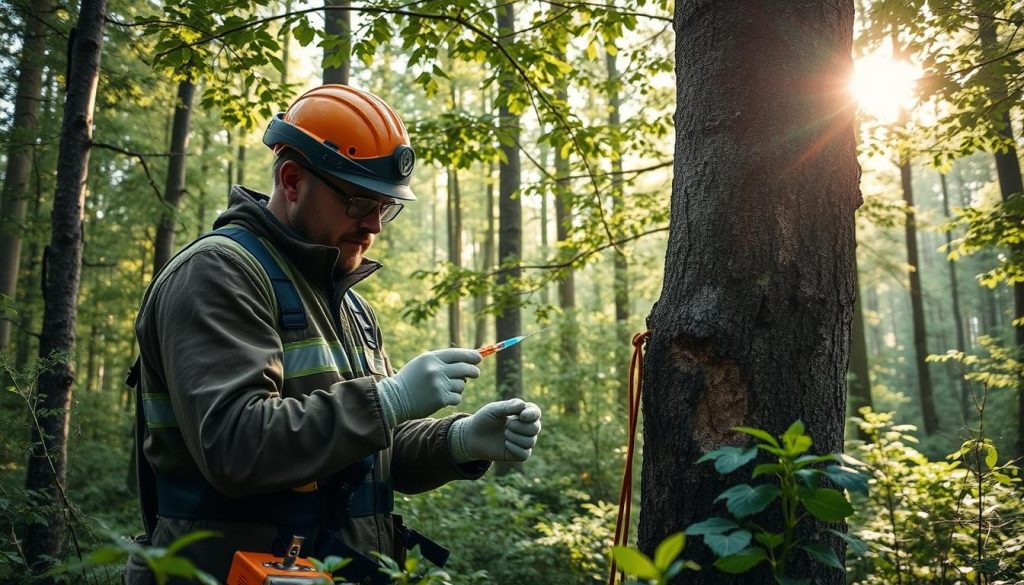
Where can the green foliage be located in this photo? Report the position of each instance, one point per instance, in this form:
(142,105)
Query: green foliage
(951,521)
(665,565)
(164,562)
(999,367)
(997,227)
(741,543)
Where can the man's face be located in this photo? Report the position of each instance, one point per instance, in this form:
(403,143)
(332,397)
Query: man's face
(320,214)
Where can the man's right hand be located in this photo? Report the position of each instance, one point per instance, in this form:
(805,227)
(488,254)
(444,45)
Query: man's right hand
(429,382)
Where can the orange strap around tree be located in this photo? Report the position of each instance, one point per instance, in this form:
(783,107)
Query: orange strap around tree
(636,380)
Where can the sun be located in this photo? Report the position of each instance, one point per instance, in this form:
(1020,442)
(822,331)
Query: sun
(882,85)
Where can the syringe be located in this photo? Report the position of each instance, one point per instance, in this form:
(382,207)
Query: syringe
(496,347)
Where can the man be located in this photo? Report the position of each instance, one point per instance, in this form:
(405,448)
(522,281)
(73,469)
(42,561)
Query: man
(270,406)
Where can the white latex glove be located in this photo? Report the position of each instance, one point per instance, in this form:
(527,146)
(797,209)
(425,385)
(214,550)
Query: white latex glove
(499,431)
(428,383)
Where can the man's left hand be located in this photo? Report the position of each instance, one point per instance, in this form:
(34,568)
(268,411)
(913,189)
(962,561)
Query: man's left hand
(500,431)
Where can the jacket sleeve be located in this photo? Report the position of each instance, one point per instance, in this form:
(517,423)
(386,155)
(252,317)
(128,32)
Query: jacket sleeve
(421,459)
(221,360)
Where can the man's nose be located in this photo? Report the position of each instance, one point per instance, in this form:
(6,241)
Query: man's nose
(371,222)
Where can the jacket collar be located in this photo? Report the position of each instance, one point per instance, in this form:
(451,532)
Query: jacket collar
(248,209)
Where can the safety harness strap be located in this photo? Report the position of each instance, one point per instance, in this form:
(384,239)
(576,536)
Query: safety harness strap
(289,305)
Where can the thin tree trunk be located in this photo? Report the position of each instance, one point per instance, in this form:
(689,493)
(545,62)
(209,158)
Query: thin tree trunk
(1010,184)
(760,338)
(454,252)
(621,280)
(924,378)
(569,333)
(480,301)
(204,172)
(929,415)
(338,24)
(859,380)
(508,323)
(14,198)
(47,462)
(174,188)
(230,171)
(958,319)
(286,45)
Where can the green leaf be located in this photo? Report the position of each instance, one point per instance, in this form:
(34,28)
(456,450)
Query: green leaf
(634,562)
(826,504)
(765,468)
(188,539)
(805,460)
(668,550)
(758,434)
(712,525)
(770,539)
(107,555)
(809,477)
(857,545)
(743,500)
(847,478)
(795,430)
(742,562)
(824,555)
(729,459)
(724,545)
(991,456)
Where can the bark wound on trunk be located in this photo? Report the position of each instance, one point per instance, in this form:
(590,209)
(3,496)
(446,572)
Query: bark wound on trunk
(723,403)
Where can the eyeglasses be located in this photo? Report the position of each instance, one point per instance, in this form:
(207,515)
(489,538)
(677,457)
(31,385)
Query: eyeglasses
(361,207)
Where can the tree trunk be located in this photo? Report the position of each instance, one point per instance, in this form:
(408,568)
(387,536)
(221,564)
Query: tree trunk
(22,137)
(621,279)
(1010,183)
(174,188)
(286,45)
(47,462)
(569,333)
(958,319)
(230,170)
(338,23)
(454,252)
(924,377)
(753,324)
(204,172)
(859,375)
(480,301)
(509,367)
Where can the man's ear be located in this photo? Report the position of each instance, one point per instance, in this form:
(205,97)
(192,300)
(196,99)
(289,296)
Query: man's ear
(291,177)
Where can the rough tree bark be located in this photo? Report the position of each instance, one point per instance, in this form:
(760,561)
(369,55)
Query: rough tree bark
(753,323)
(47,461)
(14,198)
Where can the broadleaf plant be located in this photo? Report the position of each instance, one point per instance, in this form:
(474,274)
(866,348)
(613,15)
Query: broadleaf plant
(801,488)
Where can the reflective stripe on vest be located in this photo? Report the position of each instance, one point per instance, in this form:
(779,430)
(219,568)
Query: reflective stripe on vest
(314,356)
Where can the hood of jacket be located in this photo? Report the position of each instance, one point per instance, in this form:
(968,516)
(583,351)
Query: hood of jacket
(248,209)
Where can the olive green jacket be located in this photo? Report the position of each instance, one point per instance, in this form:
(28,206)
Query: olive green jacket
(232,397)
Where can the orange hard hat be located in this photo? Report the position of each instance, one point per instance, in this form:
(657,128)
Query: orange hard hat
(350,134)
